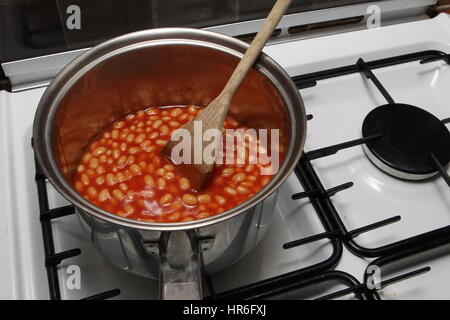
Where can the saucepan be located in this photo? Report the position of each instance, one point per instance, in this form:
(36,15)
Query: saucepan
(161,67)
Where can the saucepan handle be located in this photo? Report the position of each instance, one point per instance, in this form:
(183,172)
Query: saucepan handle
(180,266)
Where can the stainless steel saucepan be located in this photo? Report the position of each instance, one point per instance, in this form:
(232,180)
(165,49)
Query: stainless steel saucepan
(159,67)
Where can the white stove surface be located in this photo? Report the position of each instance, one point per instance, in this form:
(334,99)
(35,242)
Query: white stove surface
(339,106)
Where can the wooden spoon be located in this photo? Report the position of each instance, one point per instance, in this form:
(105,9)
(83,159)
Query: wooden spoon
(214,114)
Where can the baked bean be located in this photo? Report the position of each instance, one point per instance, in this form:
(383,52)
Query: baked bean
(122,161)
(111,179)
(103,195)
(109,173)
(230,191)
(92,192)
(124,133)
(99,151)
(133,150)
(85,179)
(204,198)
(160,172)
(100,170)
(128,174)
(161,183)
(143,165)
(93,163)
(130,195)
(100,180)
(176,112)
(129,209)
(246,184)
(120,177)
(242,190)
(192,110)
(78,186)
(166,199)
(118,194)
(174,217)
(250,168)
(140,138)
(157,124)
(189,199)
(238,177)
(149,148)
(118,124)
(202,215)
(135,169)
(130,138)
(185,184)
(221,200)
(153,135)
(115,134)
(116,153)
(123,187)
(169,167)
(177,205)
(169,175)
(164,130)
(227,172)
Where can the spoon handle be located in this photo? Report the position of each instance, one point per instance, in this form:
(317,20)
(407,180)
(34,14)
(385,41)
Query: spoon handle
(256,47)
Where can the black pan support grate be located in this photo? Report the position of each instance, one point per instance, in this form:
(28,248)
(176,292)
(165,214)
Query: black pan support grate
(335,230)
(52,258)
(319,197)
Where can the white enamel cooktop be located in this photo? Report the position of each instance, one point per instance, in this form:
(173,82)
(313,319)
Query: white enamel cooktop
(339,106)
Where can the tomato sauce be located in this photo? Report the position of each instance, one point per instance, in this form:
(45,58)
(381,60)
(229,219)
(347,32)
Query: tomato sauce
(122,171)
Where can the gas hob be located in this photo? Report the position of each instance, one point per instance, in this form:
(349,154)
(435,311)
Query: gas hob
(343,227)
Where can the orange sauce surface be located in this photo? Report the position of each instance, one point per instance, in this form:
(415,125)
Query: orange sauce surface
(122,171)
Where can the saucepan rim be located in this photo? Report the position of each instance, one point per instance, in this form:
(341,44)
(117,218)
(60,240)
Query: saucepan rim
(61,84)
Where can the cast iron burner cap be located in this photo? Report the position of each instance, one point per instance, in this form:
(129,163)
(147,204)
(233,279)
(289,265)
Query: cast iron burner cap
(409,136)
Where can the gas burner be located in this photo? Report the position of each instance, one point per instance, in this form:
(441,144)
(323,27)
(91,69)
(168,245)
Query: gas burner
(409,137)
